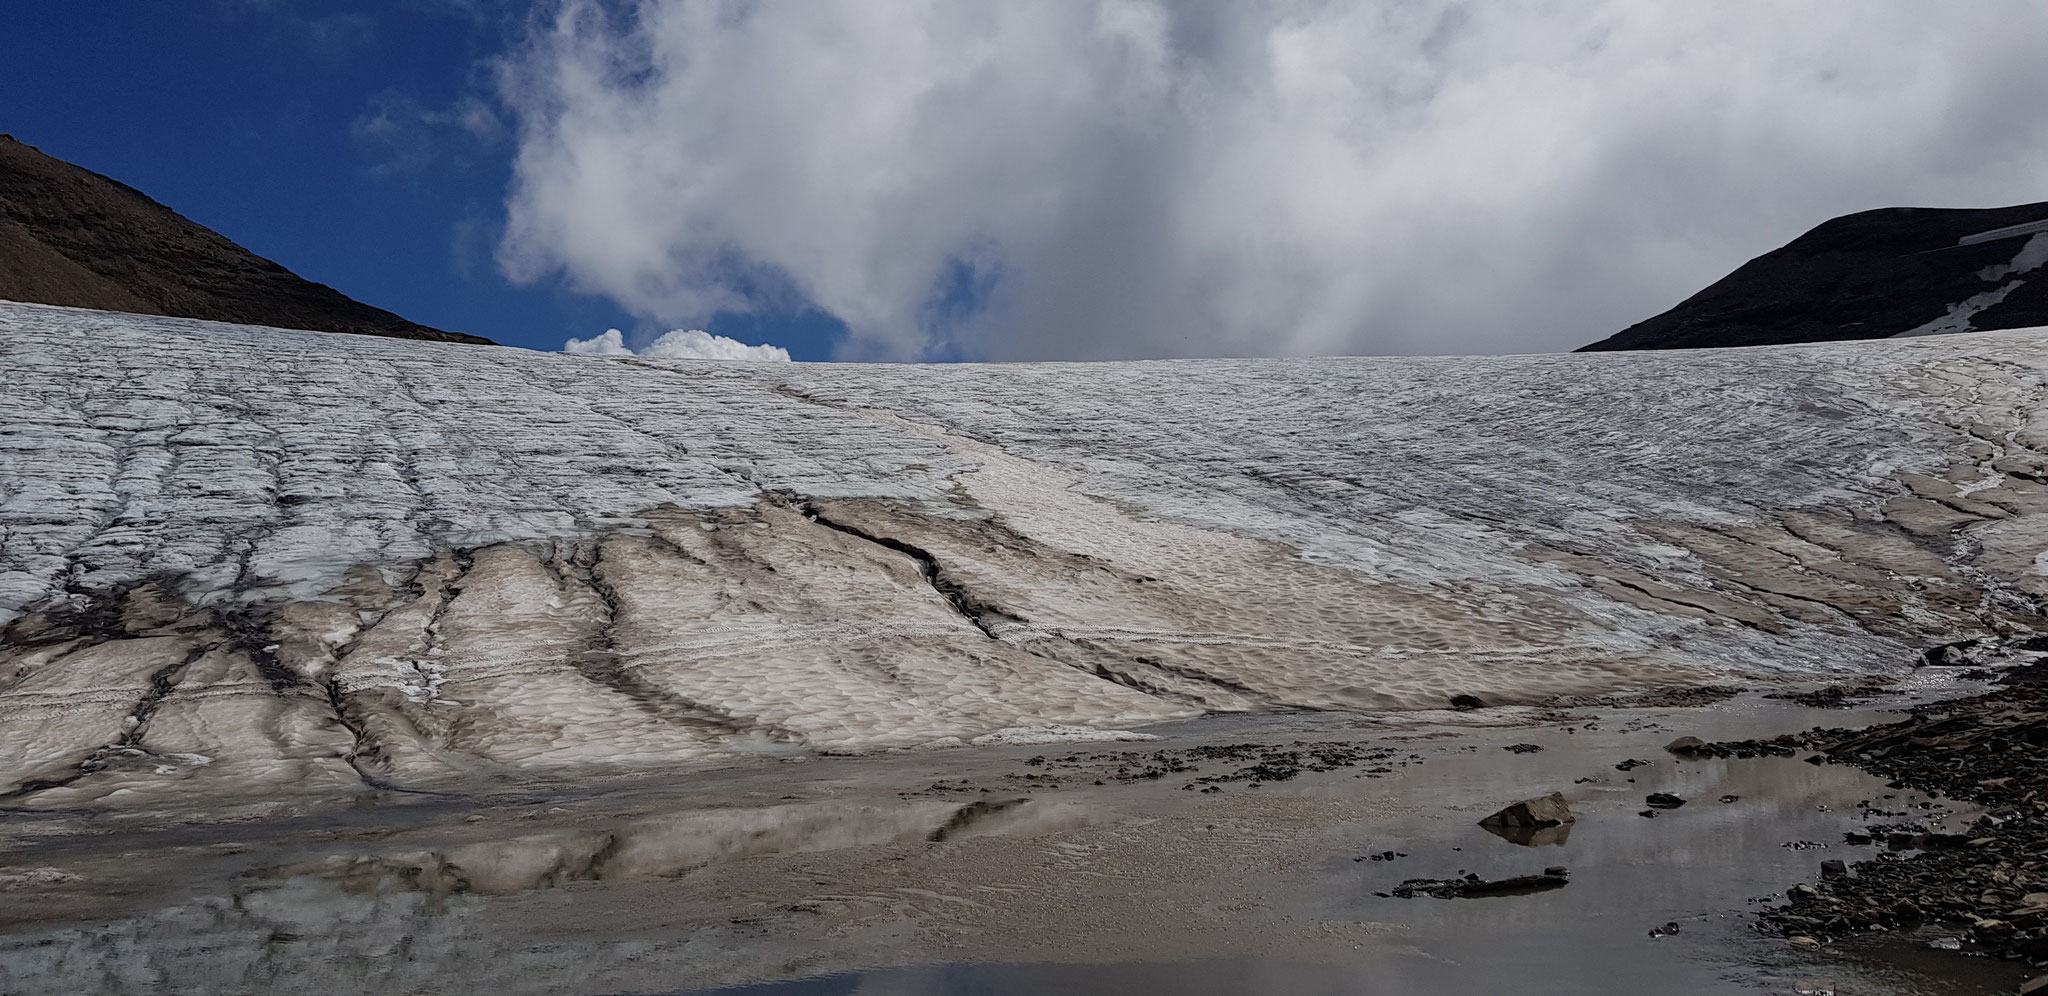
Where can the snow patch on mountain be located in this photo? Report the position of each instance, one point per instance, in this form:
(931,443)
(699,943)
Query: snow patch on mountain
(2030,258)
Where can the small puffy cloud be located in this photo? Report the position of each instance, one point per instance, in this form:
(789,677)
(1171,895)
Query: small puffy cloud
(680,344)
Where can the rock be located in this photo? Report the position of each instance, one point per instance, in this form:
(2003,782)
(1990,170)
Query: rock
(1729,798)
(1833,868)
(1803,943)
(1663,800)
(1522,748)
(1544,811)
(1801,891)
(2037,984)
(1856,839)
(1533,822)
(1665,931)
(1906,909)
(1686,746)
(1465,702)
(1471,885)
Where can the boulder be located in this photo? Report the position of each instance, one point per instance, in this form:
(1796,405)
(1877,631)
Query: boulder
(1544,811)
(1686,745)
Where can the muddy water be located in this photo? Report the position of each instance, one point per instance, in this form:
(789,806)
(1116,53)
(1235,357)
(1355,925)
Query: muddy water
(1001,870)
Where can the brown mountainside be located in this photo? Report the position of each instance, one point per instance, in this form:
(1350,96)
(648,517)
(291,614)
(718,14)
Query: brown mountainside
(72,237)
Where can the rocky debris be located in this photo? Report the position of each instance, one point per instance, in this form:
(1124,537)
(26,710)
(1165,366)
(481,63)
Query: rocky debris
(1472,886)
(1781,746)
(1632,764)
(1382,856)
(1522,748)
(1834,696)
(1667,930)
(1991,880)
(1682,697)
(1251,764)
(1663,800)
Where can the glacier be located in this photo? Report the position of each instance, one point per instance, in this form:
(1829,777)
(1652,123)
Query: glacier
(272,568)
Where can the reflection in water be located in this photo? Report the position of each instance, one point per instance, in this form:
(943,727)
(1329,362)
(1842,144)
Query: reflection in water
(1556,836)
(1258,977)
(677,843)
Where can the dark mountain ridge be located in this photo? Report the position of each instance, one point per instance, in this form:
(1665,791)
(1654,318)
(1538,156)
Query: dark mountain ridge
(1870,275)
(69,236)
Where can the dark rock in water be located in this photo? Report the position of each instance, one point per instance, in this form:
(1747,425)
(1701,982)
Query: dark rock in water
(1686,746)
(1632,764)
(1648,814)
(1868,276)
(1730,798)
(1663,800)
(69,236)
(1833,868)
(1666,930)
(1533,822)
(1522,748)
(1856,839)
(1472,886)
(1464,702)
(1542,811)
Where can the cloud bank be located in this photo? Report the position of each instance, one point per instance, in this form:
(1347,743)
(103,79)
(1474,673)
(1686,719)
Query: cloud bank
(1122,178)
(680,344)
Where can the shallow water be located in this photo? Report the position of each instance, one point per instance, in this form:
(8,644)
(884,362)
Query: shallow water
(1272,978)
(836,872)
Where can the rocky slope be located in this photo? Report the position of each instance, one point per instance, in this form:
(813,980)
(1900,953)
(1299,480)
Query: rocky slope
(69,236)
(1891,272)
(253,563)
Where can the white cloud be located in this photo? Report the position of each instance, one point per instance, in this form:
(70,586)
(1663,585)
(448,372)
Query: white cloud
(680,344)
(1102,178)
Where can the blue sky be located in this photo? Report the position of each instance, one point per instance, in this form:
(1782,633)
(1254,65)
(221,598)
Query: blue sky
(260,120)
